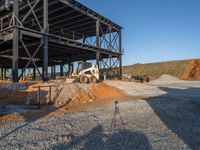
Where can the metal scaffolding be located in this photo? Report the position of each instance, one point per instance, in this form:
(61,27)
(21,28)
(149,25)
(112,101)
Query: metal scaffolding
(39,34)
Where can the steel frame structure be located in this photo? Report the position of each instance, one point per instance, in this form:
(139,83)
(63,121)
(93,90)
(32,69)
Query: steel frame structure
(37,34)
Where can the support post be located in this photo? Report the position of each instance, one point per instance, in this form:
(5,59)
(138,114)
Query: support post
(84,39)
(110,38)
(1,23)
(34,73)
(4,74)
(110,69)
(72,67)
(69,68)
(120,57)
(15,42)
(61,70)
(54,72)
(22,78)
(38,98)
(1,72)
(50,94)
(97,42)
(73,34)
(46,31)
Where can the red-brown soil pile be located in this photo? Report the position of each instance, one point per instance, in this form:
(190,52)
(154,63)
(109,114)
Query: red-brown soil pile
(103,91)
(98,92)
(192,71)
(73,93)
(90,96)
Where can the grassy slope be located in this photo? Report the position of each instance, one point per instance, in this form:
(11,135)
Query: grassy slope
(174,68)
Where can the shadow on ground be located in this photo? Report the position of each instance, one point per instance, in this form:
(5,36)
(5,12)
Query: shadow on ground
(179,109)
(96,139)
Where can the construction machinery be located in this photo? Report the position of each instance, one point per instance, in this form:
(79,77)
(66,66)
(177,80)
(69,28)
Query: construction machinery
(137,78)
(86,73)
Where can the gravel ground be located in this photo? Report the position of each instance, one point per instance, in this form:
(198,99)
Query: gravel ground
(167,119)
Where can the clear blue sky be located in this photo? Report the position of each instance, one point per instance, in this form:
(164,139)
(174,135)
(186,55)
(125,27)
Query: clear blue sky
(154,30)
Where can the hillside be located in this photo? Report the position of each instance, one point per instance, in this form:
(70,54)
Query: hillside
(183,69)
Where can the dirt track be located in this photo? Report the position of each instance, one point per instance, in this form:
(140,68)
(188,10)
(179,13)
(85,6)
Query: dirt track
(167,118)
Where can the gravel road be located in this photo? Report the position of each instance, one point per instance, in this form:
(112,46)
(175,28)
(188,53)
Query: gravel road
(168,118)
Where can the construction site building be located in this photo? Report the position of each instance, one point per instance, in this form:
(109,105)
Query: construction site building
(37,35)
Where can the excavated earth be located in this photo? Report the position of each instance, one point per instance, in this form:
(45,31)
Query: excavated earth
(158,115)
(192,71)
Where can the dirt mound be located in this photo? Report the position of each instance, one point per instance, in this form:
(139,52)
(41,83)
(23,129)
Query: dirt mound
(62,94)
(103,91)
(79,93)
(192,71)
(165,78)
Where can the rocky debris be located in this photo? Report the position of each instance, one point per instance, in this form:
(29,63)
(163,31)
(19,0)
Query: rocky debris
(91,130)
(166,78)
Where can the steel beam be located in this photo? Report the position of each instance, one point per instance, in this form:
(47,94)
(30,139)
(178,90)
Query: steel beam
(15,60)
(69,68)
(34,73)
(51,72)
(54,72)
(4,73)
(1,72)
(97,42)
(23,74)
(72,65)
(61,69)
(120,54)
(88,12)
(46,31)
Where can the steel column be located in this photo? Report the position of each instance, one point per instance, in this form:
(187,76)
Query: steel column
(84,39)
(34,73)
(15,60)
(4,74)
(46,31)
(120,54)
(69,68)
(61,70)
(72,69)
(22,76)
(1,72)
(54,72)
(97,42)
